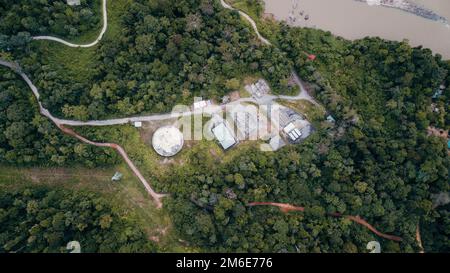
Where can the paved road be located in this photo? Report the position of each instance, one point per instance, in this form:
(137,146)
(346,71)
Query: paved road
(100,36)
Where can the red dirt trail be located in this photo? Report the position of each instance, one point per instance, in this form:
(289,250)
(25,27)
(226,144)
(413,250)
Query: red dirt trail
(156,196)
(288,207)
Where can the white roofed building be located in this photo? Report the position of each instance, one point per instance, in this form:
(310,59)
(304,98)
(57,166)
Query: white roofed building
(224,136)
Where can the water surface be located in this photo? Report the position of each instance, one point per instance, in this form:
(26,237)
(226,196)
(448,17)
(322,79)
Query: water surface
(354,20)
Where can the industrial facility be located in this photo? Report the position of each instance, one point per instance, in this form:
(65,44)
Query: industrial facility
(224,135)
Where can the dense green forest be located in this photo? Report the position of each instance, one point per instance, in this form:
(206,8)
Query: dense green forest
(27,138)
(167,52)
(383,83)
(38,219)
(48,17)
(376,162)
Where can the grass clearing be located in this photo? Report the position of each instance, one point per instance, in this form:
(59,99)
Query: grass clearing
(154,167)
(77,64)
(126,195)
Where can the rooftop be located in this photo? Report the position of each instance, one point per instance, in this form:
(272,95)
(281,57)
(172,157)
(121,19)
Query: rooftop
(167,141)
(224,135)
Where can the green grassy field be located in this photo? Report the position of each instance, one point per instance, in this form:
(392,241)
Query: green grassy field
(126,195)
(77,63)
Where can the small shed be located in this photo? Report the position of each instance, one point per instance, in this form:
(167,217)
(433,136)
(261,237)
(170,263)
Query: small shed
(117,176)
(330,119)
(138,124)
(199,103)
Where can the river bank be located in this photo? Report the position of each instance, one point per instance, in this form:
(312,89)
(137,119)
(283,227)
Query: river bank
(408,6)
(357,19)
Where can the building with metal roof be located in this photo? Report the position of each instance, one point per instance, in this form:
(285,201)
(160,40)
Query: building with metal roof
(223,134)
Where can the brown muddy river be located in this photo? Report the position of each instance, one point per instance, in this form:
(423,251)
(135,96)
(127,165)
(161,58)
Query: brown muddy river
(354,20)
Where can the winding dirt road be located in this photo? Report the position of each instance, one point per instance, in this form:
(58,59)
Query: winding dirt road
(288,207)
(100,36)
(249,19)
(156,196)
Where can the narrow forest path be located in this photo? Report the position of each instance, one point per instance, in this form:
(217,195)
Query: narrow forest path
(288,207)
(249,19)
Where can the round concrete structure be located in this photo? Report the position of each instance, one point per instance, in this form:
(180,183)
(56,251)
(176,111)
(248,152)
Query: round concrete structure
(167,141)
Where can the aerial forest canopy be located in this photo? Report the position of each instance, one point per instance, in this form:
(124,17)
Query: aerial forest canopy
(49,17)
(166,53)
(27,138)
(38,219)
(377,161)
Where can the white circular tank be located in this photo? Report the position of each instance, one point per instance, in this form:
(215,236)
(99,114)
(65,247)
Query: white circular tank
(167,141)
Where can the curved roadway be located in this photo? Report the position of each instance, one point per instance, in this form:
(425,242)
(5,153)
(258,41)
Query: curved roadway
(212,109)
(100,36)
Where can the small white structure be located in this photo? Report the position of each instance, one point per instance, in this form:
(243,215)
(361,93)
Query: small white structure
(167,141)
(73,2)
(292,132)
(224,136)
(138,124)
(201,104)
(289,128)
(331,119)
(117,176)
